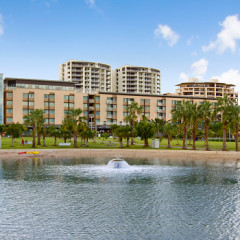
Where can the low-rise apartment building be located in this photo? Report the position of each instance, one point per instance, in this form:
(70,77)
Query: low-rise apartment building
(213,88)
(101,109)
(134,79)
(87,76)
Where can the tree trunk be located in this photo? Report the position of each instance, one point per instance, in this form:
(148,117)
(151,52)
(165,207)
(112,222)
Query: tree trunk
(81,141)
(86,143)
(206,136)
(44,143)
(169,146)
(34,137)
(65,140)
(128,142)
(12,142)
(194,137)
(39,139)
(75,138)
(55,142)
(224,147)
(121,143)
(146,142)
(184,136)
(236,135)
(132,133)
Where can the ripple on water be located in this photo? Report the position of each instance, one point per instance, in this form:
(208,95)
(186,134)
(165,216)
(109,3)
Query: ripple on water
(141,202)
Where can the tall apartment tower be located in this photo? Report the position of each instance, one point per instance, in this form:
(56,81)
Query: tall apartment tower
(87,76)
(134,79)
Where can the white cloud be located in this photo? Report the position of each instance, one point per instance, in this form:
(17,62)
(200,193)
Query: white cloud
(165,32)
(1,25)
(199,68)
(183,77)
(91,3)
(227,38)
(231,76)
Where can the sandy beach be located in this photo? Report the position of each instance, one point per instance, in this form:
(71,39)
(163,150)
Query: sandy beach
(165,155)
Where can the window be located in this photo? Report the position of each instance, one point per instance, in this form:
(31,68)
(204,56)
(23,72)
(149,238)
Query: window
(71,105)
(65,104)
(147,100)
(9,119)
(85,113)
(51,104)
(85,105)
(114,121)
(9,110)
(142,100)
(114,106)
(97,98)
(66,112)
(125,100)
(97,113)
(45,96)
(147,108)
(65,97)
(25,103)
(163,101)
(97,120)
(71,97)
(52,96)
(9,94)
(9,102)
(173,102)
(85,98)
(31,103)
(97,105)
(147,114)
(109,114)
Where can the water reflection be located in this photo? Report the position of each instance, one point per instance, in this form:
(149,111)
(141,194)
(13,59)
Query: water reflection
(83,199)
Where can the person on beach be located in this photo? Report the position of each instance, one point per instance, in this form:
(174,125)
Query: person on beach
(22,142)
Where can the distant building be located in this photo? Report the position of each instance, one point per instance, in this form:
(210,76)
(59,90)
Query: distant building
(134,79)
(1,99)
(211,89)
(87,76)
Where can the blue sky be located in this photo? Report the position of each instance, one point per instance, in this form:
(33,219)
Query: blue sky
(187,38)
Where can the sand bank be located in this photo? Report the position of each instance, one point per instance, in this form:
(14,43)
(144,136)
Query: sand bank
(186,155)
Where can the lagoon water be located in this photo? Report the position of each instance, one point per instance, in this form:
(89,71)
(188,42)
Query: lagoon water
(83,199)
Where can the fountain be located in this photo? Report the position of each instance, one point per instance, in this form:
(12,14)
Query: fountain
(117,163)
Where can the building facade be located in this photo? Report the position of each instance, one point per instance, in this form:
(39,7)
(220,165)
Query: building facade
(100,109)
(133,79)
(211,89)
(87,76)
(1,99)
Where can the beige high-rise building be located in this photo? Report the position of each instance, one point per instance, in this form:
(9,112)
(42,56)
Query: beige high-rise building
(211,89)
(134,79)
(87,76)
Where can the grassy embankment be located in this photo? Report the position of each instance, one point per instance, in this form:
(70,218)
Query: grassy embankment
(110,143)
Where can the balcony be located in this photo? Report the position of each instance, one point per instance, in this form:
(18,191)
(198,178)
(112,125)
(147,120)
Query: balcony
(91,101)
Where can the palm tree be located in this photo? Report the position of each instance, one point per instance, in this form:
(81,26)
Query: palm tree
(159,123)
(182,115)
(65,130)
(235,122)
(33,120)
(170,129)
(74,117)
(195,117)
(120,132)
(206,113)
(133,111)
(40,124)
(224,107)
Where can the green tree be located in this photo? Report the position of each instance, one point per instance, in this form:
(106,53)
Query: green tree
(207,114)
(2,128)
(195,118)
(75,119)
(235,123)
(105,136)
(66,130)
(145,130)
(224,107)
(120,133)
(182,114)
(54,132)
(133,110)
(14,130)
(40,124)
(159,123)
(216,127)
(33,120)
(170,129)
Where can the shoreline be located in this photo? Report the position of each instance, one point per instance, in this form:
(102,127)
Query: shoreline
(166,155)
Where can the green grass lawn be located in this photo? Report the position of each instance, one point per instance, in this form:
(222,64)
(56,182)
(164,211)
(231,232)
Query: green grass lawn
(110,143)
